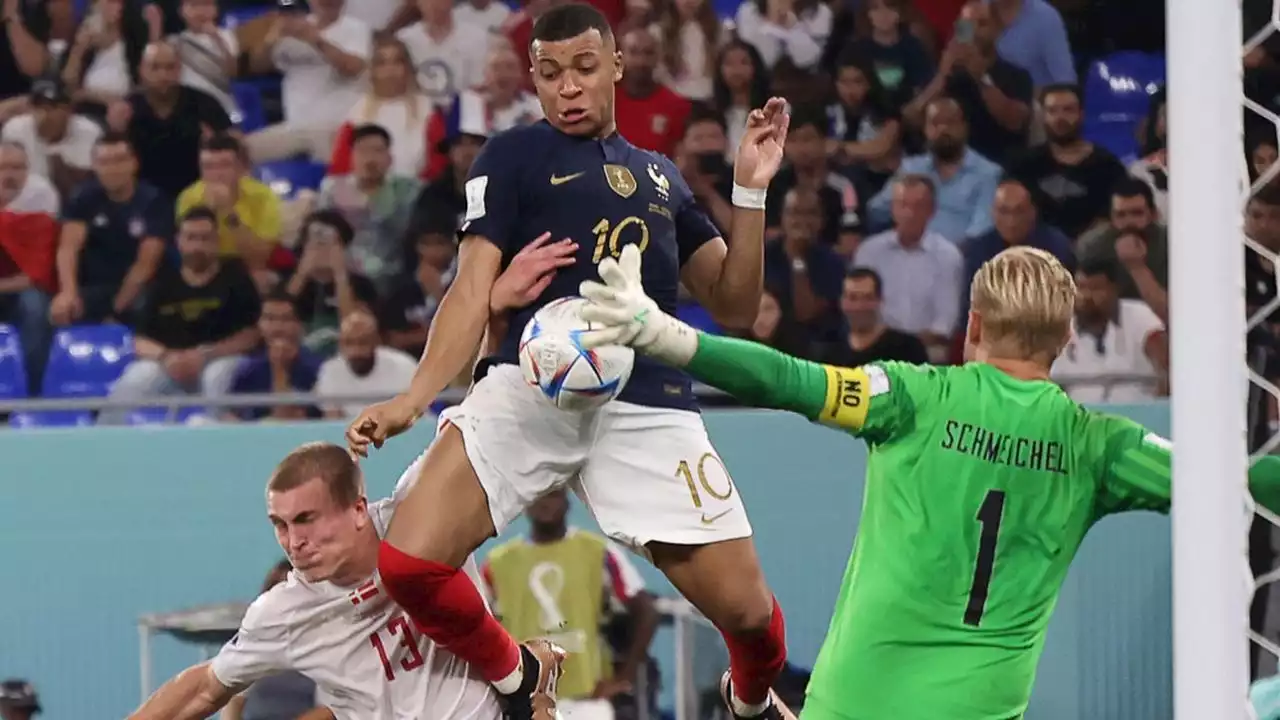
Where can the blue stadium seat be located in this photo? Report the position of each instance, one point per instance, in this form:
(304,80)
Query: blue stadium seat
(1117,94)
(287,177)
(51,419)
(253,114)
(13,371)
(162,416)
(86,359)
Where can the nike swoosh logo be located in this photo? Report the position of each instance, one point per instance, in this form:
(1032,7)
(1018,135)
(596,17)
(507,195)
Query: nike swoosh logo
(709,520)
(558,180)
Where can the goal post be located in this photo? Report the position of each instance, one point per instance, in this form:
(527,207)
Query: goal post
(1207,190)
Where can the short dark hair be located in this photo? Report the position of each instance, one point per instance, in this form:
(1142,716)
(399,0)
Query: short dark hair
(199,213)
(569,21)
(114,138)
(369,130)
(222,142)
(333,219)
(1131,187)
(279,295)
(700,112)
(866,273)
(326,462)
(1062,88)
(810,116)
(1100,266)
(921,180)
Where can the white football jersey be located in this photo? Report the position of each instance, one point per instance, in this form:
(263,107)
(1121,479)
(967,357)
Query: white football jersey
(359,647)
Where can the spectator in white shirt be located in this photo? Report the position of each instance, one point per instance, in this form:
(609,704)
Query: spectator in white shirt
(486,15)
(689,32)
(362,366)
(59,143)
(449,56)
(1118,352)
(208,53)
(102,64)
(502,103)
(323,57)
(795,30)
(922,270)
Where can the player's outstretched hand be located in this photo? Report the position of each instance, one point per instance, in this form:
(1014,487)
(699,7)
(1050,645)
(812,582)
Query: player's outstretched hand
(630,317)
(530,272)
(377,423)
(760,151)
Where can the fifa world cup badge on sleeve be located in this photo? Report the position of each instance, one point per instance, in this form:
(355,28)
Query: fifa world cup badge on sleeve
(474,190)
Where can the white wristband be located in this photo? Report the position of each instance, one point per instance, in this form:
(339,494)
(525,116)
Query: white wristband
(748,198)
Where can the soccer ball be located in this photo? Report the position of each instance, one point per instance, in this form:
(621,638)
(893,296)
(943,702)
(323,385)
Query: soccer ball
(570,376)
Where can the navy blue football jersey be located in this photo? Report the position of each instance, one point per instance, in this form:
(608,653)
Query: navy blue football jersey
(603,194)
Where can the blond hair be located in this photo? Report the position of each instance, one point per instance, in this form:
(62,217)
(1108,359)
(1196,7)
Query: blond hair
(1026,300)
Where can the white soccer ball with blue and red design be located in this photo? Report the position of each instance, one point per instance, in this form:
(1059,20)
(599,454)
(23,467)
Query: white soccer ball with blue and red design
(570,376)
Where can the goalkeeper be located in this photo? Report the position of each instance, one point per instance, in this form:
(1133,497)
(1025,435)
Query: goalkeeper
(982,480)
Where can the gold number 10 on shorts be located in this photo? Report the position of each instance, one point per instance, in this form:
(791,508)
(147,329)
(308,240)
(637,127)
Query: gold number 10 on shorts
(687,471)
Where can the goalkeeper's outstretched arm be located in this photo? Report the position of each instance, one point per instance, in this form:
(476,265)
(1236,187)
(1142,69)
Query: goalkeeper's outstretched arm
(760,376)
(1141,474)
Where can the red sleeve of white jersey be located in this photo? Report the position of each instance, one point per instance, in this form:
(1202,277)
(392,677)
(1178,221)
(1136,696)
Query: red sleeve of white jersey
(621,576)
(486,587)
(260,648)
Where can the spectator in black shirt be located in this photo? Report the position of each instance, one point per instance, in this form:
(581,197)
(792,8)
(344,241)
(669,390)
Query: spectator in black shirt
(167,121)
(324,285)
(114,235)
(803,272)
(1070,177)
(1262,226)
(809,168)
(407,312)
(24,30)
(199,322)
(444,194)
(996,95)
(868,338)
(866,126)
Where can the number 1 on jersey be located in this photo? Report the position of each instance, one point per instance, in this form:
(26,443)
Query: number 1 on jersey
(989,516)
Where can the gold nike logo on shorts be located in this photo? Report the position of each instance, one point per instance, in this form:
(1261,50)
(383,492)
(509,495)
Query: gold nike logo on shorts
(560,180)
(707,520)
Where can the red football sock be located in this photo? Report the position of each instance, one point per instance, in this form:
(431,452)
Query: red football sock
(446,607)
(756,659)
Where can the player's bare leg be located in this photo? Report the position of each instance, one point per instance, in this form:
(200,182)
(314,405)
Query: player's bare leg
(724,581)
(440,522)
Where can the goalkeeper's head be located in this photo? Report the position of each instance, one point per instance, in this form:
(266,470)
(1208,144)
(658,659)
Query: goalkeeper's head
(1021,304)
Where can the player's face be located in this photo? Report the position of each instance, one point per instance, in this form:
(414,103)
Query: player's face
(549,511)
(315,532)
(574,79)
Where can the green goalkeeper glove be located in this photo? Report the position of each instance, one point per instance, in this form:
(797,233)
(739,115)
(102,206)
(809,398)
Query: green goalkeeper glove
(627,316)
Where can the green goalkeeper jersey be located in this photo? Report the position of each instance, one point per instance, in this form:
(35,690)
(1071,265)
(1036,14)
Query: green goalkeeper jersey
(979,489)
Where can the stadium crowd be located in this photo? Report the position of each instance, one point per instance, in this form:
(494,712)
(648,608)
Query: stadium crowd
(267,195)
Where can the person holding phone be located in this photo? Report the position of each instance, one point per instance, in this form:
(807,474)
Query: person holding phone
(994,94)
